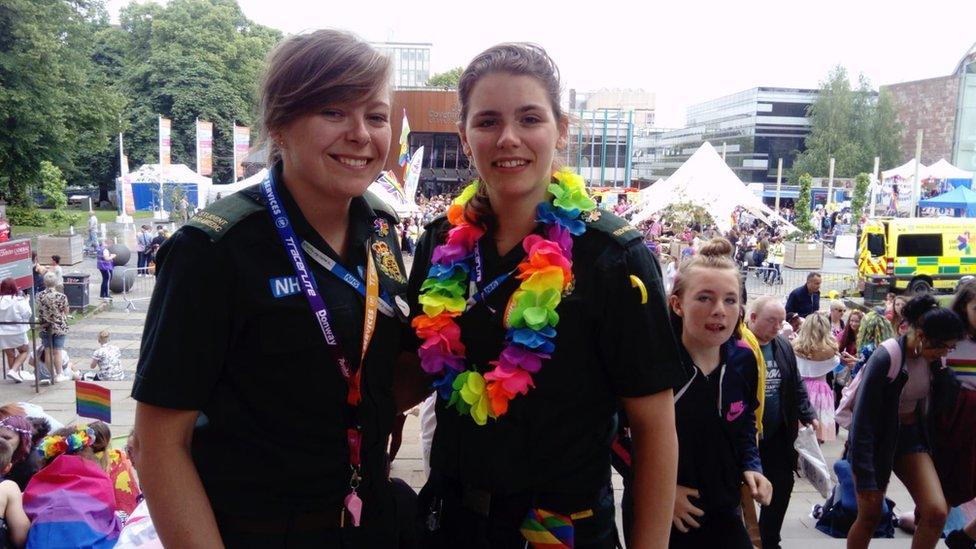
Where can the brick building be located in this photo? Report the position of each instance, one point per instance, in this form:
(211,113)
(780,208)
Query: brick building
(928,105)
(944,108)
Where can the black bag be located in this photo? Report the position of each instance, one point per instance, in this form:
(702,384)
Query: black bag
(835,520)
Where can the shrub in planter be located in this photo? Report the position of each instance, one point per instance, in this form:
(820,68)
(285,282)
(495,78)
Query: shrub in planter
(30,217)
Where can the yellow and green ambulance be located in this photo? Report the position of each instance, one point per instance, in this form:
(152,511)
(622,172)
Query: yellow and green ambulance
(917,254)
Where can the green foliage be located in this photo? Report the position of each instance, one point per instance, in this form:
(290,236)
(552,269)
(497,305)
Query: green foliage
(803,206)
(63,218)
(70,82)
(189,59)
(683,214)
(27,216)
(860,197)
(53,186)
(175,194)
(54,105)
(850,125)
(447,80)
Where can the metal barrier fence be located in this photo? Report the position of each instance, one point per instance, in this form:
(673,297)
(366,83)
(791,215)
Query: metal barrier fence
(782,281)
(141,289)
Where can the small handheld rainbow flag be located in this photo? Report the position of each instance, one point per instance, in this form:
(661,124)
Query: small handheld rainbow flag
(94,401)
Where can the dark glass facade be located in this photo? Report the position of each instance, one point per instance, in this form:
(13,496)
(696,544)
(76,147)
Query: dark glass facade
(754,128)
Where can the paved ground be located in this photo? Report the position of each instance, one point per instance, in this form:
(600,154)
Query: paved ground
(126,328)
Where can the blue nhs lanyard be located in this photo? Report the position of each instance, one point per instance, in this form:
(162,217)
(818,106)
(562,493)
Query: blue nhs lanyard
(344,275)
(479,296)
(305,277)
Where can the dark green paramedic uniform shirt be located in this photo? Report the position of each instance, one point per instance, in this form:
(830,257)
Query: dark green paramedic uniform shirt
(556,439)
(230,333)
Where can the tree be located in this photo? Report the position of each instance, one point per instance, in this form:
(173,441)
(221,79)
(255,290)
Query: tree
(803,205)
(860,197)
(53,105)
(446,80)
(850,125)
(191,59)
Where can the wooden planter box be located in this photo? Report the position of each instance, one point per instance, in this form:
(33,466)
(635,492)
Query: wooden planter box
(70,248)
(803,255)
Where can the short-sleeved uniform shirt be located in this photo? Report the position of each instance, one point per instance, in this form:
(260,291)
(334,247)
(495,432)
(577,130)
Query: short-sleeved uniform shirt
(230,333)
(556,439)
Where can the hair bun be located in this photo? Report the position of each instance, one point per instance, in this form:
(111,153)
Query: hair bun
(917,306)
(716,247)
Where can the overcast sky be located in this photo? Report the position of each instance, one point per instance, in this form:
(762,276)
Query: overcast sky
(685,52)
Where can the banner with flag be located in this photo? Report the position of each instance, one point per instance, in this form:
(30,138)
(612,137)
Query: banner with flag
(165,125)
(412,178)
(404,140)
(204,148)
(242,143)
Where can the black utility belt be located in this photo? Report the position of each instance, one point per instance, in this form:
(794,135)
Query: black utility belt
(577,506)
(309,521)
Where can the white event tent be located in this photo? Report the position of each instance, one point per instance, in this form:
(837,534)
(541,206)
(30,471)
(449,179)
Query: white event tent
(944,170)
(231,188)
(706,181)
(905,171)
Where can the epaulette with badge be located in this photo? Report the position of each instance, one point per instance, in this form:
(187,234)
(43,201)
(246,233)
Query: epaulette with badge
(622,233)
(216,219)
(616,228)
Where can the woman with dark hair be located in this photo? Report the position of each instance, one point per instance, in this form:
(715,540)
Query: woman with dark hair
(240,443)
(888,428)
(15,311)
(540,316)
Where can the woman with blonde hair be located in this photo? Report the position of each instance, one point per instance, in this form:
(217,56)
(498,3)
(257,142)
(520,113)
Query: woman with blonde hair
(817,354)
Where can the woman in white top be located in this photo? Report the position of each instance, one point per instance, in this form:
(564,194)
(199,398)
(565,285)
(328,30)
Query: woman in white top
(816,356)
(13,337)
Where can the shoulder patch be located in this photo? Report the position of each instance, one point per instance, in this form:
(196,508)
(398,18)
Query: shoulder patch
(381,207)
(216,219)
(616,228)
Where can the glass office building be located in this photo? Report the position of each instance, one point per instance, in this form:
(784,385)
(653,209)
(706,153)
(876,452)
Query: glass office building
(754,129)
(411,62)
(964,155)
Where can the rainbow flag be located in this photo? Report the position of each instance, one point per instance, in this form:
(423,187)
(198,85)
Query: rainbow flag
(404,141)
(93,401)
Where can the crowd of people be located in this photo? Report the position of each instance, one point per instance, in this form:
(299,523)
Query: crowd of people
(548,338)
(62,486)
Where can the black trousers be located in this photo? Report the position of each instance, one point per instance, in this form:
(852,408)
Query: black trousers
(778,461)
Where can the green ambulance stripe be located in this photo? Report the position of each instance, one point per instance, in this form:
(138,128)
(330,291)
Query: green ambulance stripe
(966,260)
(949,269)
(927,261)
(904,270)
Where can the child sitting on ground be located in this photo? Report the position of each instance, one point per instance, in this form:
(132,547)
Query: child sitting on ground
(13,521)
(71,501)
(108,359)
(119,469)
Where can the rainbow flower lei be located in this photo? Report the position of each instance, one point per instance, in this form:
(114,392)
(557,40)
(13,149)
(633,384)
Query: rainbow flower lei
(530,319)
(53,446)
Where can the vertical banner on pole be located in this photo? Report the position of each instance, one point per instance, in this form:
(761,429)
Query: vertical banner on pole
(242,142)
(165,125)
(204,148)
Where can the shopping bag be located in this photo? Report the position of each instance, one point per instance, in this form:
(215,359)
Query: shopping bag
(813,465)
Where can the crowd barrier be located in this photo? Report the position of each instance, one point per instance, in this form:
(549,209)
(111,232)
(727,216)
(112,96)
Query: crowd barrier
(139,293)
(780,282)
